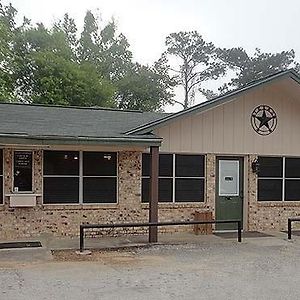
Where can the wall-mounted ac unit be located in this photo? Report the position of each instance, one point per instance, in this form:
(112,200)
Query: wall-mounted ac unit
(22,200)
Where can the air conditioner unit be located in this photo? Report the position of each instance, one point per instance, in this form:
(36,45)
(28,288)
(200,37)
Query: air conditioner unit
(22,200)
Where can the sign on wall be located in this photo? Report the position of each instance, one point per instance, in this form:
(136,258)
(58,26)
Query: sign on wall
(264,119)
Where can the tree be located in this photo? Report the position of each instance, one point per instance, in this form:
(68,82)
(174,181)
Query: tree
(63,82)
(58,65)
(7,57)
(250,68)
(198,62)
(144,88)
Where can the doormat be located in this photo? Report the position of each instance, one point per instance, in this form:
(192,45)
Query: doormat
(246,234)
(13,245)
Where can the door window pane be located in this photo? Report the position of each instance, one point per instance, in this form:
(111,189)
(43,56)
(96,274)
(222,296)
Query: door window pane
(189,190)
(22,171)
(99,164)
(61,190)
(189,165)
(61,163)
(269,189)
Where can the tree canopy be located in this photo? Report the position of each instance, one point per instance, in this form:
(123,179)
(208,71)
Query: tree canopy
(59,65)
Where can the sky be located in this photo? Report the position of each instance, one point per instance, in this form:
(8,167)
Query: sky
(271,25)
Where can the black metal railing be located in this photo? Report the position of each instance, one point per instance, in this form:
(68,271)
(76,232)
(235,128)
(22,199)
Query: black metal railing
(154,224)
(290,220)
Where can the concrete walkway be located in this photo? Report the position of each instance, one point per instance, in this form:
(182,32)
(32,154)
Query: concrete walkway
(43,254)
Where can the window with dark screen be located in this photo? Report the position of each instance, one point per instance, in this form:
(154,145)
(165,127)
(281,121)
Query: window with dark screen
(61,177)
(181,178)
(99,177)
(80,177)
(279,179)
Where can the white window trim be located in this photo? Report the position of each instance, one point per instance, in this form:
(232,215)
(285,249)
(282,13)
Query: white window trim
(173,177)
(81,177)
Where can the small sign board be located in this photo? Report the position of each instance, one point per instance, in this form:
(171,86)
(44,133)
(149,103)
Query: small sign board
(23,159)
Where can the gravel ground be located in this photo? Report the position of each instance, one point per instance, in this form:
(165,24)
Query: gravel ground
(266,268)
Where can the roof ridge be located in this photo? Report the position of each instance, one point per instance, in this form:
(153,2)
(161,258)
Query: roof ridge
(73,107)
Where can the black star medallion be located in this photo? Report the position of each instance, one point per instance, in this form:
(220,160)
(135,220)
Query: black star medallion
(264,119)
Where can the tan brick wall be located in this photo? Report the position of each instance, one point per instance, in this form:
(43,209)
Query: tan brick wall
(64,220)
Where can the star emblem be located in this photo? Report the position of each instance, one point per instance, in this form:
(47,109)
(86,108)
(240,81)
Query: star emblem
(264,120)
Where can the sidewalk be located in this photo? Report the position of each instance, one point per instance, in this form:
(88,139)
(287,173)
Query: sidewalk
(49,243)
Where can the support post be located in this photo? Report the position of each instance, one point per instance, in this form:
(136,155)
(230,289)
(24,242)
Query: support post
(153,205)
(289,229)
(81,238)
(239,231)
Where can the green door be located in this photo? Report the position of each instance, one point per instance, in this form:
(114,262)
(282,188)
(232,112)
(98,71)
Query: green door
(229,191)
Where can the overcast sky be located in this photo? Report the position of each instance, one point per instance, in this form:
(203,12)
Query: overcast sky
(272,25)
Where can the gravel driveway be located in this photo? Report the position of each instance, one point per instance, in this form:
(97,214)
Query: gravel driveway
(261,268)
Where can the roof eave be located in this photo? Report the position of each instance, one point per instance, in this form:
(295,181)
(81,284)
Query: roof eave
(46,140)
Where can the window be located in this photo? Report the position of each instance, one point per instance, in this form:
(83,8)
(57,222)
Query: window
(22,171)
(61,177)
(181,178)
(80,177)
(99,177)
(1,176)
(279,179)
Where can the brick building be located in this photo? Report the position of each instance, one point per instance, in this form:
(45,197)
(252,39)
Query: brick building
(237,156)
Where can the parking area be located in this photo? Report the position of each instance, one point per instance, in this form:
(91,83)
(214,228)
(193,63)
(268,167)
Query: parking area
(265,267)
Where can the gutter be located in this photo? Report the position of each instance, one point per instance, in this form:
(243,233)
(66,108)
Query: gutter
(72,140)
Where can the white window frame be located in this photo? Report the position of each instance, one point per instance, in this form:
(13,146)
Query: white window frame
(81,177)
(174,177)
(13,171)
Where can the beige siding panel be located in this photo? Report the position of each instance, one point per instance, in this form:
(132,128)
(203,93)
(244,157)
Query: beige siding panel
(207,132)
(226,129)
(186,134)
(164,132)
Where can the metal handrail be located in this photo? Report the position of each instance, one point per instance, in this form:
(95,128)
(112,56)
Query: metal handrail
(151,224)
(290,220)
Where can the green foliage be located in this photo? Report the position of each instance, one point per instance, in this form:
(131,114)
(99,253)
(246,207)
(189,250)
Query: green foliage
(59,66)
(250,68)
(63,82)
(145,88)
